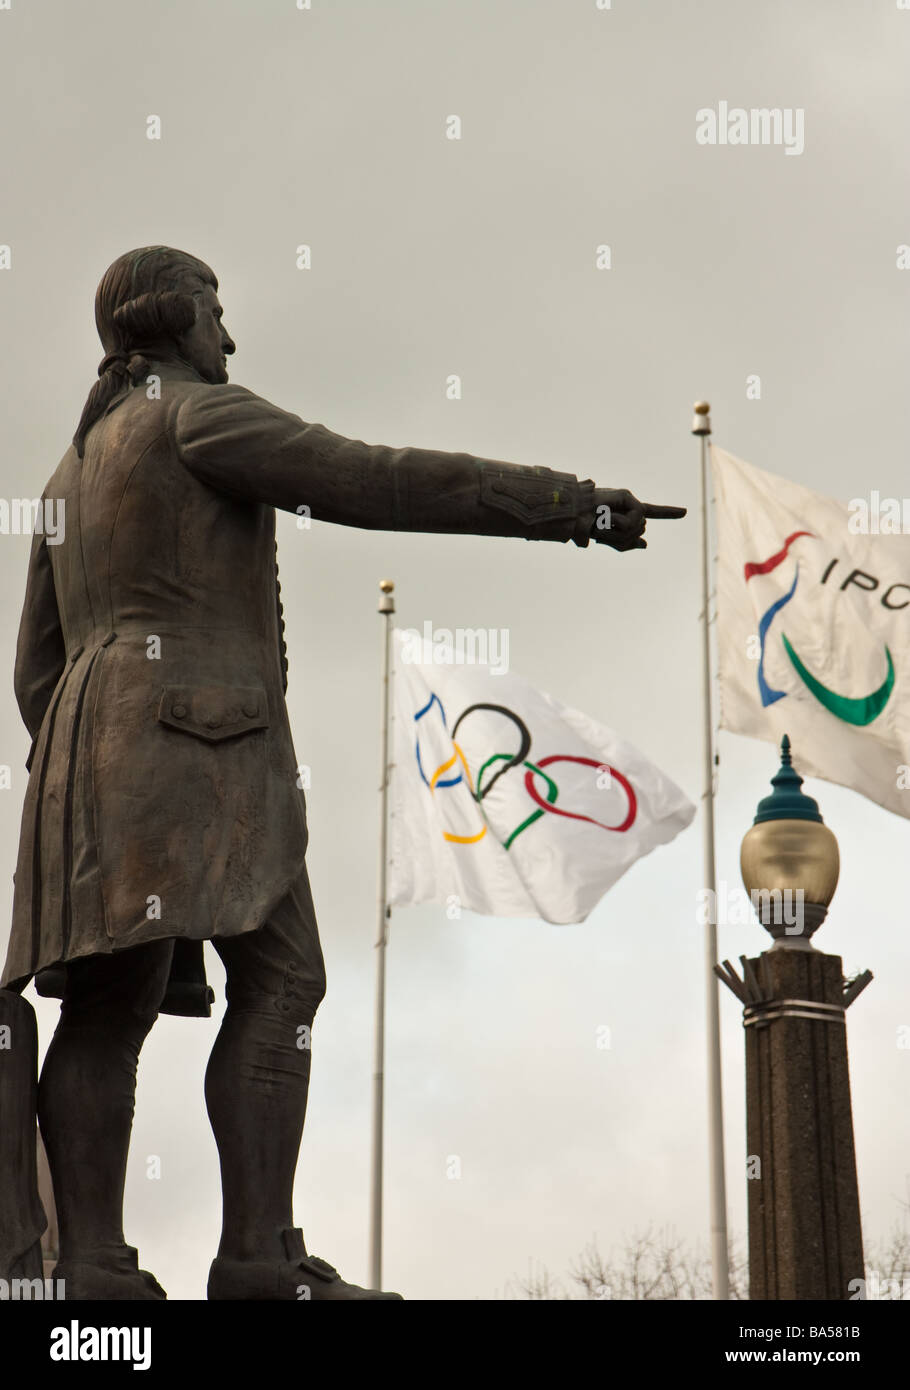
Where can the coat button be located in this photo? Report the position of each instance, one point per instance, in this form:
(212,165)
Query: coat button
(179,711)
(251,710)
(213,723)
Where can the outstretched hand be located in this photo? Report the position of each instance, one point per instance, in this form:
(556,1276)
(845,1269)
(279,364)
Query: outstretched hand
(620,519)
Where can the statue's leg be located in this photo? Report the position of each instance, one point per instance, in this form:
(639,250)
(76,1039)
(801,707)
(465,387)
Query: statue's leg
(256,1091)
(258,1073)
(86,1093)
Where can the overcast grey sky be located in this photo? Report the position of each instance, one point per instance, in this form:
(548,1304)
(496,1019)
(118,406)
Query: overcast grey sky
(431,256)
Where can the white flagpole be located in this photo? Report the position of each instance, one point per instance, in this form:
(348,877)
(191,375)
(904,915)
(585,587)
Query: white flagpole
(386,609)
(701,427)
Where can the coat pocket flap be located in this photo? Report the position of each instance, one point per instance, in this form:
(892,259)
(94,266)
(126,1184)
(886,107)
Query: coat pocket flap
(214,712)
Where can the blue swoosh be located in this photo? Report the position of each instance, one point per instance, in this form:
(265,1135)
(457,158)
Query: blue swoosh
(769,696)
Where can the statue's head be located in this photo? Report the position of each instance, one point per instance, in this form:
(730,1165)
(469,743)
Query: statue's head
(154,302)
(159,298)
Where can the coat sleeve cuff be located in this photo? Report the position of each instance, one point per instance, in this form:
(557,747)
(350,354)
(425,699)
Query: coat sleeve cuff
(541,503)
(585,513)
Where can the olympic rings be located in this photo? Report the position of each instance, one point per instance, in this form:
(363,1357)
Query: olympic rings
(510,760)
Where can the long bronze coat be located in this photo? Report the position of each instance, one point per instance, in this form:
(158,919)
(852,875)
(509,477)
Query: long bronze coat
(162,798)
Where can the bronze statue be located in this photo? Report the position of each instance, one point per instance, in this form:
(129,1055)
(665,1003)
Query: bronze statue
(162,807)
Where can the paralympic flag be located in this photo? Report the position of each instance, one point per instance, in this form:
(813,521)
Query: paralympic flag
(813,623)
(506,802)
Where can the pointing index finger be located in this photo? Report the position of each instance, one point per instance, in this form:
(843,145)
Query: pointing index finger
(657,513)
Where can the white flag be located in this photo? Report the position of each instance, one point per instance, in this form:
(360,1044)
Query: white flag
(813,616)
(504,801)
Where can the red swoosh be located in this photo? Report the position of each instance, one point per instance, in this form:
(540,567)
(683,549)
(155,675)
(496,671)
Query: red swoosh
(766,566)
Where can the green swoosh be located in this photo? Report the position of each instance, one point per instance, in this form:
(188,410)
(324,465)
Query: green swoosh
(852,711)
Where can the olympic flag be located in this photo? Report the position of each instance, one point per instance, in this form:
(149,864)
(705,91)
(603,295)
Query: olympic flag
(504,801)
(813,624)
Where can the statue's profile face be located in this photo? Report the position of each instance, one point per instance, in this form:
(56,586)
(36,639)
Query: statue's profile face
(207,345)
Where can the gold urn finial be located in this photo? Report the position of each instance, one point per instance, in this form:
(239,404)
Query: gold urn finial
(789,859)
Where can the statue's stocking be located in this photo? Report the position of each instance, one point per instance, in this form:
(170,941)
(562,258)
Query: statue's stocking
(87,1088)
(256,1093)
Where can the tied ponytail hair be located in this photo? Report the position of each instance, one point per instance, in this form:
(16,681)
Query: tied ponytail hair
(135,327)
(117,369)
(146,319)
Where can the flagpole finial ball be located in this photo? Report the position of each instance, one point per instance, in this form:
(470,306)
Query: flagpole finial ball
(387,586)
(701,422)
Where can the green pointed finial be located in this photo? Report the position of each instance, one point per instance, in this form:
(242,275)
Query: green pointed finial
(788,801)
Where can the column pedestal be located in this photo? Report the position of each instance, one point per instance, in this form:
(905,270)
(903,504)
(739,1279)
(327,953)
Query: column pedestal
(805,1239)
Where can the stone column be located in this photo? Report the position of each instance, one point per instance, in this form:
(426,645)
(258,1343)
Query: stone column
(805,1239)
